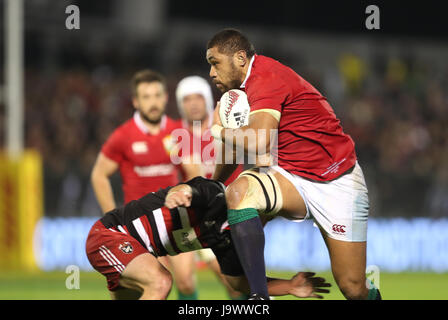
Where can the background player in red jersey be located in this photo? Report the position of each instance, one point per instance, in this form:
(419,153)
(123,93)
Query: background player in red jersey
(317,175)
(141,149)
(195,103)
(124,244)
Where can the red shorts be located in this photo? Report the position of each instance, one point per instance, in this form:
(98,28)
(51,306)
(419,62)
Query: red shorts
(109,252)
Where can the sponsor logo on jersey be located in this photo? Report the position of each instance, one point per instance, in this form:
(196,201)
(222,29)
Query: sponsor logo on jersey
(154,170)
(139,147)
(338,229)
(169,144)
(126,247)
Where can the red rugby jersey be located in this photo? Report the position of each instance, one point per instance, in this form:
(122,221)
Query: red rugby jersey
(311,142)
(144,159)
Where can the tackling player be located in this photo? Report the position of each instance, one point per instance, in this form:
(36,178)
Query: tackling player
(141,149)
(317,175)
(124,244)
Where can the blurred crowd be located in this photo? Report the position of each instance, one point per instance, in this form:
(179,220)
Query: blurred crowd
(396,110)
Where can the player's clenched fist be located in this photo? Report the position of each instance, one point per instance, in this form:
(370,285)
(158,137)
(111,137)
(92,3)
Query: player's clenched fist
(179,196)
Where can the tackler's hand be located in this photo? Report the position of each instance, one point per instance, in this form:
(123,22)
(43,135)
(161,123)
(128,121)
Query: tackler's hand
(306,285)
(179,196)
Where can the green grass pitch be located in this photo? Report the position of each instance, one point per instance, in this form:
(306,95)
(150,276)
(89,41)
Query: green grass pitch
(51,286)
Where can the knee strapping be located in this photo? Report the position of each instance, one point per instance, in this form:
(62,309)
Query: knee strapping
(263,192)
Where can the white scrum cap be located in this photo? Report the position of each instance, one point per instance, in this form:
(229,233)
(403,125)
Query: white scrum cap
(195,85)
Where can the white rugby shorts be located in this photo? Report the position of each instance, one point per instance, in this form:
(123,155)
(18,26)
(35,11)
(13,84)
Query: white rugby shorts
(340,207)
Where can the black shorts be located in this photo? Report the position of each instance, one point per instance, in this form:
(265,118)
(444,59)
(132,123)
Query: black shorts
(228,261)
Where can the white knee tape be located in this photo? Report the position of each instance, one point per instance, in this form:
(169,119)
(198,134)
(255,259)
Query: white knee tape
(263,192)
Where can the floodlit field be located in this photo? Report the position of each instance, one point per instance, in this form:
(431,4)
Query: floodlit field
(51,286)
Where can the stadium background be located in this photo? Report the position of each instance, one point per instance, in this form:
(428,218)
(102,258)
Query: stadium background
(388,87)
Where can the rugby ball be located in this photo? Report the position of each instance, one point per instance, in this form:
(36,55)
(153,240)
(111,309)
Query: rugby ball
(234,109)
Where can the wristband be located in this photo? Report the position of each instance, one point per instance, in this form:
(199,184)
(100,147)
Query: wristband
(215,130)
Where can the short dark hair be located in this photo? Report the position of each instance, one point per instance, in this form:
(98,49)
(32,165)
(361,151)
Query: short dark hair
(230,40)
(146,76)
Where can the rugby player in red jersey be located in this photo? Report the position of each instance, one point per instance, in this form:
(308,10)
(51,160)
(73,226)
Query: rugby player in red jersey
(125,243)
(140,149)
(316,175)
(195,103)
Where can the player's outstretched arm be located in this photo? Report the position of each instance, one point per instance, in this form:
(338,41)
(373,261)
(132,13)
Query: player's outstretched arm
(301,285)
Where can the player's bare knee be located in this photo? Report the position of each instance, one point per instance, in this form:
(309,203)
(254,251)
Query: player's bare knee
(165,283)
(236,192)
(353,289)
(156,280)
(161,284)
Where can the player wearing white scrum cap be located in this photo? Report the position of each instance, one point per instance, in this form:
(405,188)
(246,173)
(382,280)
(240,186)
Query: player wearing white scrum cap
(189,93)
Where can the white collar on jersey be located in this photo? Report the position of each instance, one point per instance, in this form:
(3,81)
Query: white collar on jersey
(243,85)
(141,125)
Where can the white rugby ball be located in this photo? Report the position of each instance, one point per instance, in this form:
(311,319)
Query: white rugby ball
(234,109)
